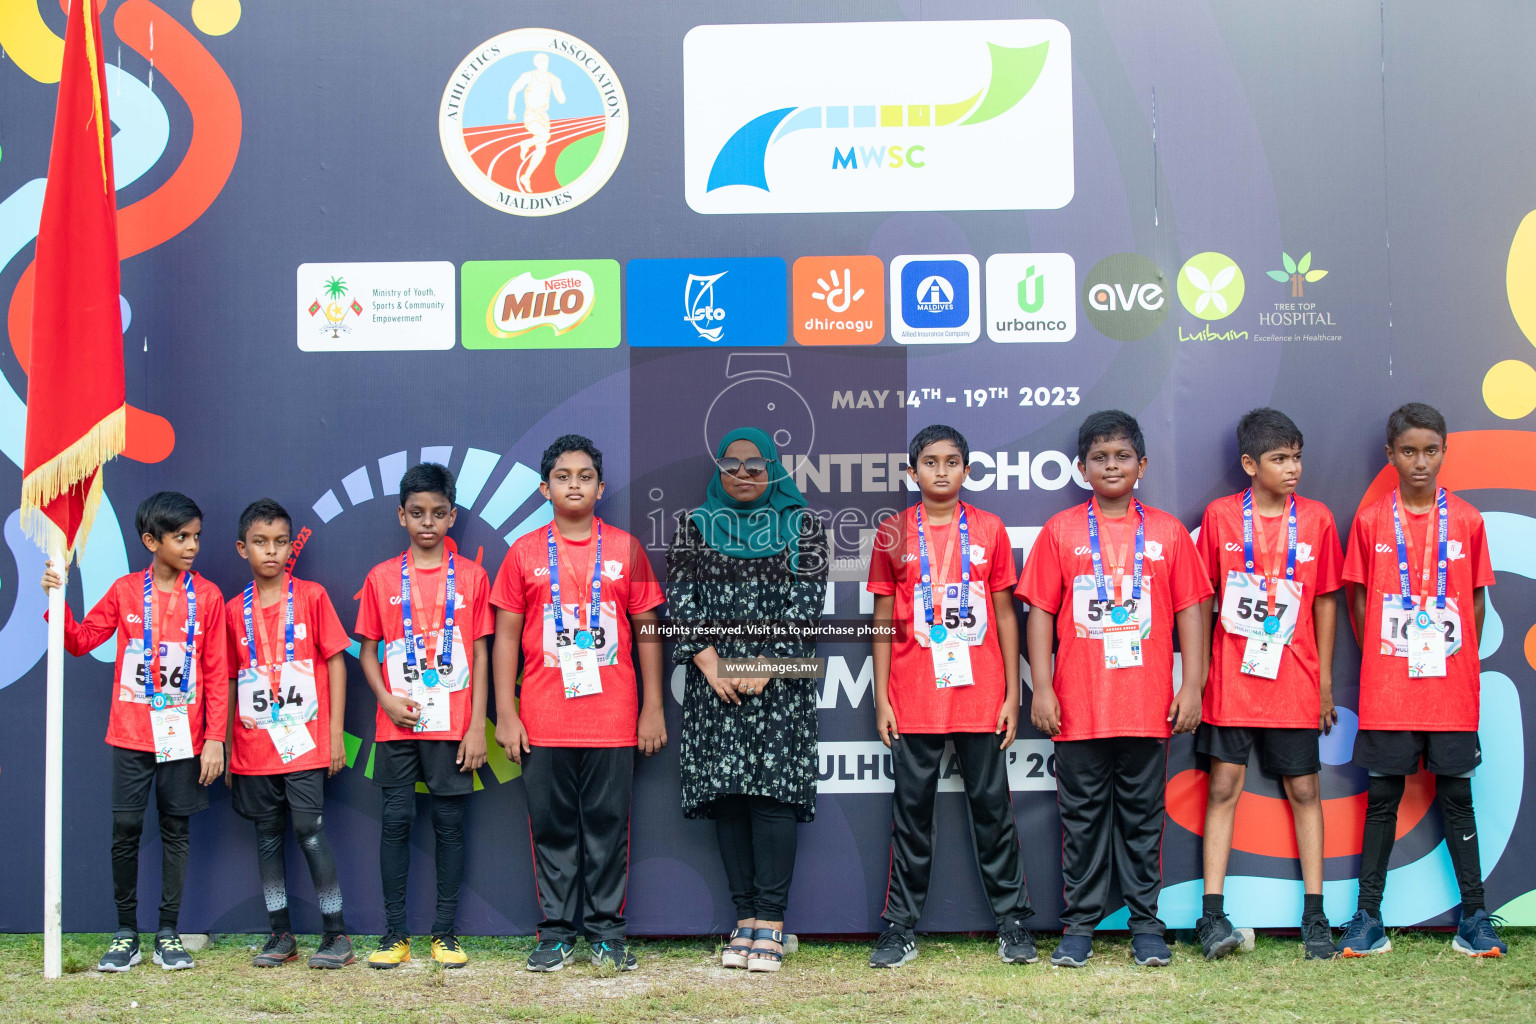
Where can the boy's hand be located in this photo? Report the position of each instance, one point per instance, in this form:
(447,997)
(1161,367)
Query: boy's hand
(1184,712)
(885,722)
(512,737)
(338,755)
(51,577)
(653,730)
(402,712)
(1330,714)
(472,750)
(1008,723)
(213,762)
(1045,711)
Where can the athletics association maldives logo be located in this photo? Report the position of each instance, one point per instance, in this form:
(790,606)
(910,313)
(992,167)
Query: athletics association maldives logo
(932,115)
(533,122)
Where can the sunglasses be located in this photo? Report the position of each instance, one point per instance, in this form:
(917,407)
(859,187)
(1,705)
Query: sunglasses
(755,466)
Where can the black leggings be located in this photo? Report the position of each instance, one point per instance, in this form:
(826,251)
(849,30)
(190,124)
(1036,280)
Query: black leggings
(1454,795)
(175,836)
(395,855)
(757,836)
(322,870)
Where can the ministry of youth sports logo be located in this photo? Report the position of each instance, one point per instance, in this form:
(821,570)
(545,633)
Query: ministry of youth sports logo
(533,122)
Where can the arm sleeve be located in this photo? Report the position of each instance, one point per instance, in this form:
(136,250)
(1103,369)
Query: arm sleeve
(330,636)
(507,593)
(644,592)
(369,626)
(1482,562)
(213,664)
(1209,546)
(1189,582)
(234,629)
(883,575)
(1040,585)
(1330,557)
(685,604)
(99,625)
(807,594)
(480,608)
(1004,573)
(1357,563)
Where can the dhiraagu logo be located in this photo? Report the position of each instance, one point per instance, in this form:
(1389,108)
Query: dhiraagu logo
(933,115)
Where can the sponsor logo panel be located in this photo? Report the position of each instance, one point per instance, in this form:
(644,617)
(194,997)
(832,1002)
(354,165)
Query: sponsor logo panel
(725,303)
(935,300)
(374,307)
(536,304)
(1031,296)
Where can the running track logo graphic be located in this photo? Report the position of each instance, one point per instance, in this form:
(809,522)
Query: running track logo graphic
(533,122)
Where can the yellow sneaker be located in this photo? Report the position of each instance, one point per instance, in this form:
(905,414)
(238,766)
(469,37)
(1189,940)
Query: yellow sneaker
(447,951)
(394,950)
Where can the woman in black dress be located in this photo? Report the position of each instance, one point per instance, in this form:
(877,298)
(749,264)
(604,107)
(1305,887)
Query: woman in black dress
(751,554)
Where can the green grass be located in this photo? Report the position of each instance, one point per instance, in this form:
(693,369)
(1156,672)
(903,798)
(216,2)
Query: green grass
(953,979)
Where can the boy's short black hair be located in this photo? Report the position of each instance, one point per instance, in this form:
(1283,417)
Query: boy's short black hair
(426,478)
(1109,425)
(1264,430)
(1414,415)
(263,510)
(569,443)
(165,512)
(933,434)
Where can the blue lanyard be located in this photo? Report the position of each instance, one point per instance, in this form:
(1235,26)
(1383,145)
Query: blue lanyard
(595,613)
(250,636)
(152,661)
(927,576)
(414,640)
(1443,514)
(1098,559)
(1271,621)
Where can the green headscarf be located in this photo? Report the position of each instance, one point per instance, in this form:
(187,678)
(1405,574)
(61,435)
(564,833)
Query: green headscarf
(758,528)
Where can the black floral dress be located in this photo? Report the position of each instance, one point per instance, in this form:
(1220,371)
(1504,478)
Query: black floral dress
(766,745)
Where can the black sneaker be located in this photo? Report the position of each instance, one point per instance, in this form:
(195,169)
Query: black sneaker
(335,952)
(550,955)
(1475,935)
(1014,943)
(1216,936)
(1149,950)
(1317,934)
(122,953)
(1364,936)
(615,952)
(170,954)
(280,948)
(895,946)
(1073,951)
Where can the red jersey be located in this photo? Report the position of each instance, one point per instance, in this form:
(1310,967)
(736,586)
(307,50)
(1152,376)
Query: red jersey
(121,611)
(919,704)
(1058,578)
(379,618)
(1290,700)
(1388,698)
(317,636)
(629,587)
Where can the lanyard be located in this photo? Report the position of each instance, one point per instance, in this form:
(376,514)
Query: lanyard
(1271,621)
(416,640)
(1098,559)
(594,614)
(964,531)
(1443,514)
(255,623)
(153,674)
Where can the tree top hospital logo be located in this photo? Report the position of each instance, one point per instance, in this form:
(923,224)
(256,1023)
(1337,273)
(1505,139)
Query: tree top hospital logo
(533,122)
(931,115)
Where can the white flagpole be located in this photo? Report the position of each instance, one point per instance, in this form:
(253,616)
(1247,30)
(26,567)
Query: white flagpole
(53,786)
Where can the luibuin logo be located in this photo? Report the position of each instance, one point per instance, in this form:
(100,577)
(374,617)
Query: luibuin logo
(1211,285)
(1297,272)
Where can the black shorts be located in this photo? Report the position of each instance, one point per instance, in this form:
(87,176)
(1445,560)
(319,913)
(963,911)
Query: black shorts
(1281,751)
(434,762)
(1398,751)
(264,797)
(177,791)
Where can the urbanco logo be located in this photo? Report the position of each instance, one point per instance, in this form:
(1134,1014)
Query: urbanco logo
(1125,296)
(525,304)
(1031,296)
(533,122)
(1211,285)
(930,115)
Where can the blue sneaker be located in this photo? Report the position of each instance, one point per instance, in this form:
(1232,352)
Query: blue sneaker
(1475,935)
(1364,935)
(1073,951)
(1149,950)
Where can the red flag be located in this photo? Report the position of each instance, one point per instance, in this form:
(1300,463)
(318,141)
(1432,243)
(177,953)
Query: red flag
(75,410)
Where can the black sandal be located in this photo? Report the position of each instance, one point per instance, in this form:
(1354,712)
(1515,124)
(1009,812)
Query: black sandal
(767,959)
(735,955)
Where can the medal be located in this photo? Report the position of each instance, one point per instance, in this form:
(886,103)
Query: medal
(584,637)
(1119,615)
(964,533)
(938,633)
(413,640)
(1272,624)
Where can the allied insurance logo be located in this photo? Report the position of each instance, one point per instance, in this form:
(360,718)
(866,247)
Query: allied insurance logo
(533,122)
(523,304)
(931,115)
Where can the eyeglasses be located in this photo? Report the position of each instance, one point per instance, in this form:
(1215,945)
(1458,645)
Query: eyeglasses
(755,466)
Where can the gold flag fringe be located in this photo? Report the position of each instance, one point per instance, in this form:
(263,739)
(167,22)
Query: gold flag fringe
(103,441)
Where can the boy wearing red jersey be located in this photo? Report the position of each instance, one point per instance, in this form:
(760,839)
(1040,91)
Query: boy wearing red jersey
(289,698)
(1275,561)
(1416,571)
(570,596)
(1113,580)
(430,726)
(168,716)
(942,575)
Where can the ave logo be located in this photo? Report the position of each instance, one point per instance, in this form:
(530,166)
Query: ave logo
(1125,296)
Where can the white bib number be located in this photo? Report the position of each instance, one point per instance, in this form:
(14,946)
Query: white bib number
(605,638)
(972,629)
(403,680)
(296,700)
(173,657)
(1090,615)
(1404,634)
(1245,607)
